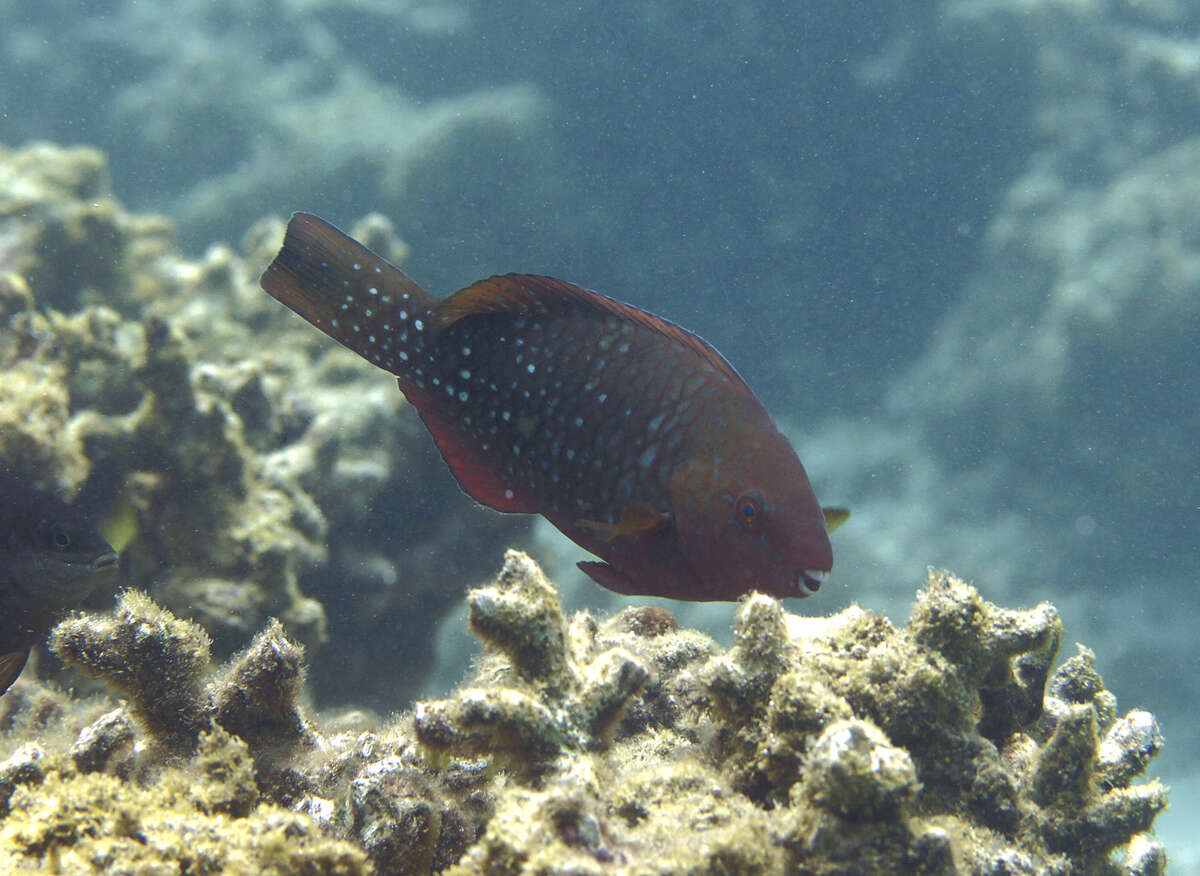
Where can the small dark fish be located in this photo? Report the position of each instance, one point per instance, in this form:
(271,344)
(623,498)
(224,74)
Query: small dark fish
(50,559)
(631,435)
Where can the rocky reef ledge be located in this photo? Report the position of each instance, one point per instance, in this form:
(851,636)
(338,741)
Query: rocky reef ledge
(838,745)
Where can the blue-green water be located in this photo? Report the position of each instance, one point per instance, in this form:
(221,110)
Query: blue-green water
(953,245)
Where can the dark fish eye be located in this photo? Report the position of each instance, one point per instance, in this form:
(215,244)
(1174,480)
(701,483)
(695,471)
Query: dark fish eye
(60,539)
(749,508)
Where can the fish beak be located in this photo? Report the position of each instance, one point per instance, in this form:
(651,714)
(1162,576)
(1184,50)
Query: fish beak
(808,581)
(104,562)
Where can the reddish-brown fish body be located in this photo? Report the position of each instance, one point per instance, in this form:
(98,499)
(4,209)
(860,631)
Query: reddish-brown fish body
(631,435)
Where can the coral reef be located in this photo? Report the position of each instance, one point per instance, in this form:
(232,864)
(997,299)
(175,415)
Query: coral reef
(205,819)
(173,398)
(837,745)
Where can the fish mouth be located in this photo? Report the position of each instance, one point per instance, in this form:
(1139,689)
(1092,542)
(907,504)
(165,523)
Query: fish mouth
(104,562)
(808,581)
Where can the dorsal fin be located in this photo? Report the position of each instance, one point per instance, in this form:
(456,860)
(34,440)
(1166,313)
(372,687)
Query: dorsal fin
(530,293)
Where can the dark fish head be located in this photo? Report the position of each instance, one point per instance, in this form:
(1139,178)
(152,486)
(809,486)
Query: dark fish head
(50,545)
(753,523)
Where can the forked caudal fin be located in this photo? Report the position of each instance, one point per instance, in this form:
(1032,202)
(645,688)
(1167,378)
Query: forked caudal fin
(354,296)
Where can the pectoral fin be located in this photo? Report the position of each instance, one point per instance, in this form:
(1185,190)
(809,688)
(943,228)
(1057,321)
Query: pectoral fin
(835,517)
(10,667)
(637,520)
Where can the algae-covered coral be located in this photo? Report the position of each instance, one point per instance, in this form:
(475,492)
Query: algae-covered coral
(163,394)
(839,745)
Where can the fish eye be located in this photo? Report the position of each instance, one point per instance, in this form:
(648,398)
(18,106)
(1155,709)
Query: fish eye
(749,508)
(60,539)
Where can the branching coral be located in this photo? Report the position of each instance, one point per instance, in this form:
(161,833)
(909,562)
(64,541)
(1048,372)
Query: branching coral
(853,745)
(556,697)
(159,662)
(840,745)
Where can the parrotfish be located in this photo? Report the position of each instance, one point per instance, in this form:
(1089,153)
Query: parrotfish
(631,435)
(51,557)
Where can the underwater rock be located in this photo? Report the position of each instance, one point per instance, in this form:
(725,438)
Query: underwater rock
(558,699)
(89,823)
(213,436)
(151,657)
(835,745)
(159,662)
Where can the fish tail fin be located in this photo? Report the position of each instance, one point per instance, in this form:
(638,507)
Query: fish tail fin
(10,667)
(353,295)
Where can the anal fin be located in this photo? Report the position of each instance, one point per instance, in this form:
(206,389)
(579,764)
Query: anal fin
(477,475)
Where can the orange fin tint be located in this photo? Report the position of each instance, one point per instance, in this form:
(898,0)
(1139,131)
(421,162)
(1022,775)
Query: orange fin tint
(637,520)
(835,517)
(529,293)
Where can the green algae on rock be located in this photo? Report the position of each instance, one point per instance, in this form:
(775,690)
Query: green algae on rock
(168,389)
(840,745)
(85,823)
(843,744)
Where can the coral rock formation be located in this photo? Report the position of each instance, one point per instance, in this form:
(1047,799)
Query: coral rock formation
(839,745)
(173,396)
